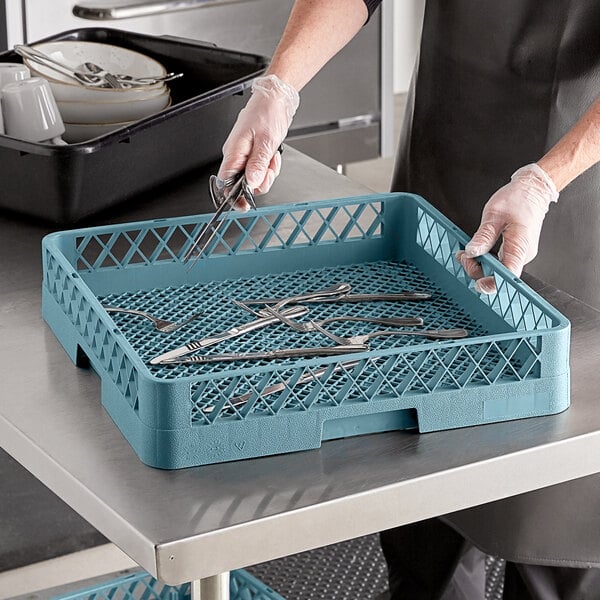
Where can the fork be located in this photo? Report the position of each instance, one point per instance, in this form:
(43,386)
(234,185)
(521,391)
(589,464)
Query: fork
(161,325)
(121,80)
(95,69)
(364,338)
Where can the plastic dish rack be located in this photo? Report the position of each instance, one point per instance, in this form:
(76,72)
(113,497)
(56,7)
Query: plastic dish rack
(514,363)
(142,586)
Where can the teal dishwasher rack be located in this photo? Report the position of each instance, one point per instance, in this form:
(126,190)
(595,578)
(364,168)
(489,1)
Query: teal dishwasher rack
(142,586)
(514,363)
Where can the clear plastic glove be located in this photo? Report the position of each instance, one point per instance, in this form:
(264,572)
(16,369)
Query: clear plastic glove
(258,132)
(515,212)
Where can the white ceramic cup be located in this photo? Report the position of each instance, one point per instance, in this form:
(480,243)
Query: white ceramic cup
(30,111)
(9,73)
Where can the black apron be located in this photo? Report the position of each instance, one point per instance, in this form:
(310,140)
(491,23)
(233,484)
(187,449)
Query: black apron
(496,85)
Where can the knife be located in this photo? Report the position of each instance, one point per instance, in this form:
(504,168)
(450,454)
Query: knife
(397,297)
(211,340)
(202,359)
(282,385)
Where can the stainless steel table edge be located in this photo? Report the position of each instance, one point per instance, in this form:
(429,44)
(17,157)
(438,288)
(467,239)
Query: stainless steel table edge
(243,545)
(89,506)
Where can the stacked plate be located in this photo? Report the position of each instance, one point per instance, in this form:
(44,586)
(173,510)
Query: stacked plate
(89,112)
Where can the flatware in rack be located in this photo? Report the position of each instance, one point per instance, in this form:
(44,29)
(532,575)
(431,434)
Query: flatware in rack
(162,325)
(435,334)
(216,338)
(278,354)
(331,293)
(407,296)
(318,326)
(314,325)
(238,401)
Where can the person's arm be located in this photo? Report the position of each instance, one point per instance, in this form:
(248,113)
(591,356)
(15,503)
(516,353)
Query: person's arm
(316,30)
(517,210)
(576,151)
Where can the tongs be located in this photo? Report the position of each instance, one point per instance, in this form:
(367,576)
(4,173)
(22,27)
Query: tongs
(224,194)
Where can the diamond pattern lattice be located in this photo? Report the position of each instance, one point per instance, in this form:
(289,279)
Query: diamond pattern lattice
(495,352)
(309,226)
(87,322)
(396,375)
(141,586)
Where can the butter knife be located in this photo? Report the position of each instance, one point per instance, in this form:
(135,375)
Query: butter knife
(395,297)
(211,340)
(238,401)
(202,359)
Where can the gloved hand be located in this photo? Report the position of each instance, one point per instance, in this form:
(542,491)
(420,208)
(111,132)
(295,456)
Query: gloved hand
(515,212)
(258,132)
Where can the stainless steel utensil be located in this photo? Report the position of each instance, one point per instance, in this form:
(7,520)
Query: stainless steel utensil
(279,353)
(90,74)
(137,81)
(238,401)
(364,338)
(211,340)
(407,296)
(312,324)
(333,292)
(123,80)
(162,325)
(437,334)
(224,195)
(95,69)
(84,79)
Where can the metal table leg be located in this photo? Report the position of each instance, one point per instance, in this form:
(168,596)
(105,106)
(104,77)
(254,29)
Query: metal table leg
(211,588)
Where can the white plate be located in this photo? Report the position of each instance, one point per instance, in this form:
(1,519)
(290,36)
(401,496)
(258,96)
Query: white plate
(67,93)
(82,132)
(112,58)
(111,112)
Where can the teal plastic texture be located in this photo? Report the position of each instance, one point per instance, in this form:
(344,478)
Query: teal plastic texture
(142,586)
(514,363)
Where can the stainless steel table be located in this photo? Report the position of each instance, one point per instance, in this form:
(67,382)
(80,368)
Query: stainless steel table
(197,524)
